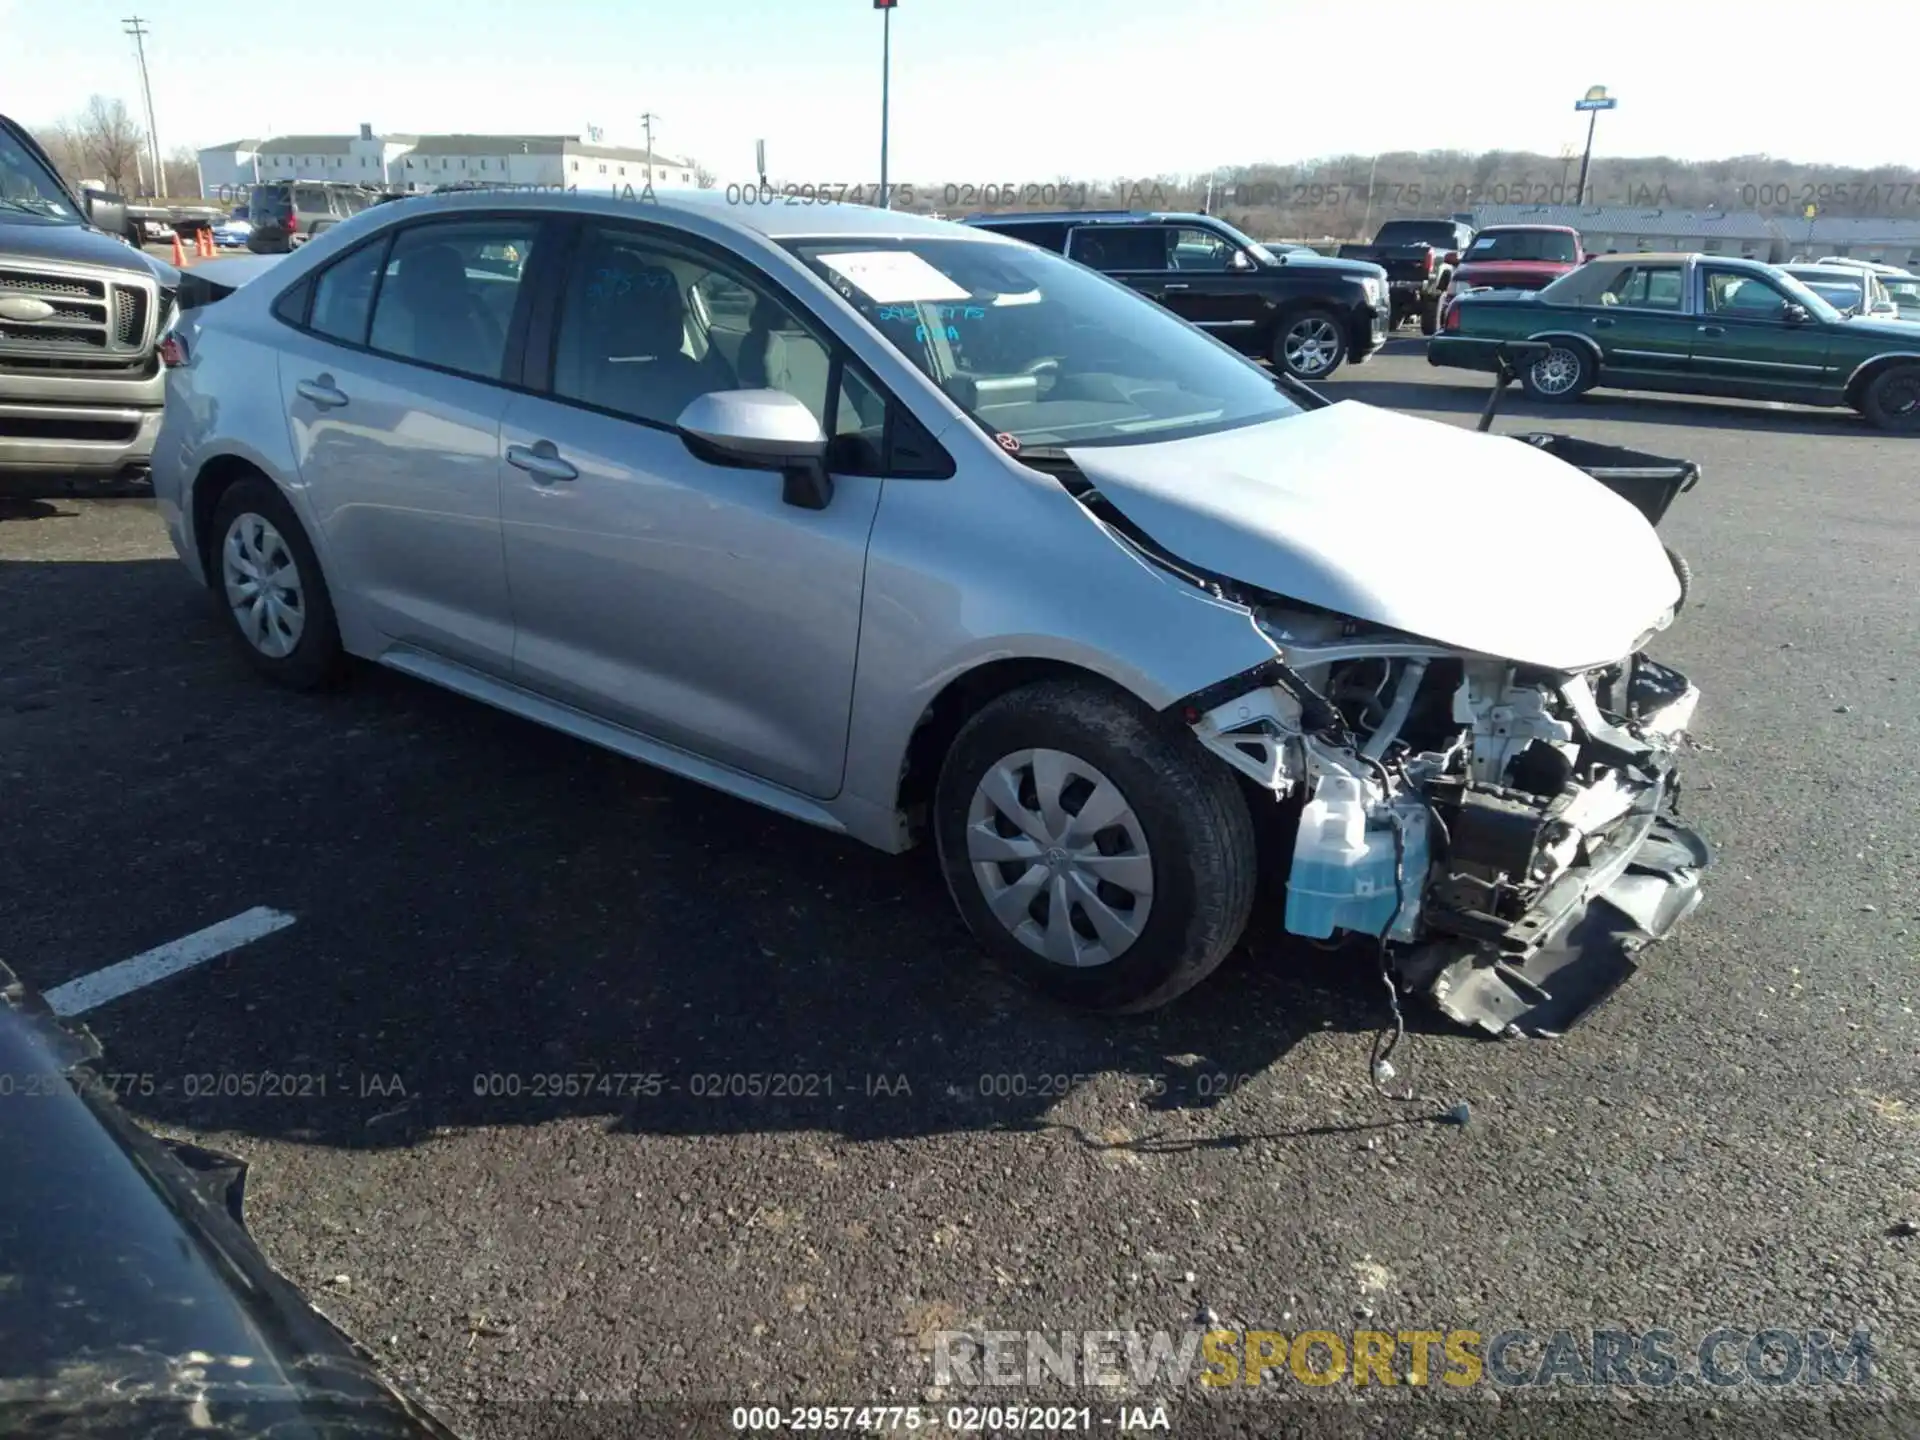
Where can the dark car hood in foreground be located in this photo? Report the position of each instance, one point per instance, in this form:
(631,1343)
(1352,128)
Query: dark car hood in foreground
(132,1299)
(22,239)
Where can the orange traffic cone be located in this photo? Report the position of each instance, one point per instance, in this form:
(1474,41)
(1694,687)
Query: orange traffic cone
(179,255)
(206,243)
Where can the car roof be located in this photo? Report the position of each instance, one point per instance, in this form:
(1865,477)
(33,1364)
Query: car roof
(1089,217)
(1836,272)
(1557,229)
(775,220)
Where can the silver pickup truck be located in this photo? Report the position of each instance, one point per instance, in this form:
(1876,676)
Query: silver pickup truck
(81,316)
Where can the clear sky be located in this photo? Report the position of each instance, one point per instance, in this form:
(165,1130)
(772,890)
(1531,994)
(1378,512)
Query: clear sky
(983,90)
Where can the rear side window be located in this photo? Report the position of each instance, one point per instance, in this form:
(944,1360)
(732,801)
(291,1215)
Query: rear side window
(343,295)
(310,197)
(448,295)
(292,306)
(1645,287)
(1120,247)
(1047,237)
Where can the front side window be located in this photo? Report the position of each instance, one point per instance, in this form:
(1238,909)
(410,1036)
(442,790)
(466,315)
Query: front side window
(448,294)
(1036,349)
(1201,250)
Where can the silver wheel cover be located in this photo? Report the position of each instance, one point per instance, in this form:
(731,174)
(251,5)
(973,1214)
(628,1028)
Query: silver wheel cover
(1060,857)
(263,586)
(1311,346)
(1556,371)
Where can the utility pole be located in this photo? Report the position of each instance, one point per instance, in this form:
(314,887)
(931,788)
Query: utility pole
(137,28)
(647,120)
(885,7)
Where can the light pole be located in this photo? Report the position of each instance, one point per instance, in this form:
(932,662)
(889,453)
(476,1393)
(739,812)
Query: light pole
(647,120)
(1368,220)
(137,28)
(1595,101)
(885,7)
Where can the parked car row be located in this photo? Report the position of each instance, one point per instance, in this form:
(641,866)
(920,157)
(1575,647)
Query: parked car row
(1702,325)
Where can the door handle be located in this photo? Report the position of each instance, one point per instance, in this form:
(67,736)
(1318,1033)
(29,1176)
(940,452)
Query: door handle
(322,392)
(1602,323)
(1176,285)
(542,461)
(1713,329)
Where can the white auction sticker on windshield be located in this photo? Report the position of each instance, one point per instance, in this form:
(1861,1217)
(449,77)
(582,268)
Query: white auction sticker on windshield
(893,277)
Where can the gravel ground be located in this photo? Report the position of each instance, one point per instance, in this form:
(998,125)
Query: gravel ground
(1729,1142)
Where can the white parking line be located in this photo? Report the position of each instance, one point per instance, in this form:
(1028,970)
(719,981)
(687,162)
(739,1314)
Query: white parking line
(77,996)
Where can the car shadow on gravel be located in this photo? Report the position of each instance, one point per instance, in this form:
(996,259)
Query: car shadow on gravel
(1518,413)
(499,925)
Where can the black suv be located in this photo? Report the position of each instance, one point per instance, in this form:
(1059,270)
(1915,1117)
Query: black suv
(1305,313)
(287,214)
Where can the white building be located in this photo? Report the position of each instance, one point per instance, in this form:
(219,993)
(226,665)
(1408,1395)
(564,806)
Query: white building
(416,163)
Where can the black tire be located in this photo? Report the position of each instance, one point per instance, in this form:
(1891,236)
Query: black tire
(1328,344)
(1892,400)
(1430,317)
(1682,572)
(316,658)
(1189,812)
(1564,373)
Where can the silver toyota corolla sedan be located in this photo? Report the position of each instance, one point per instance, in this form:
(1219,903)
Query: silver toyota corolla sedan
(909,531)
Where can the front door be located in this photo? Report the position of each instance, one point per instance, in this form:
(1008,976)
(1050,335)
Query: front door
(394,407)
(682,599)
(1747,344)
(1211,282)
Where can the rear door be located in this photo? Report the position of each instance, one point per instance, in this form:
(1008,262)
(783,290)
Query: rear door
(1643,326)
(1745,344)
(392,379)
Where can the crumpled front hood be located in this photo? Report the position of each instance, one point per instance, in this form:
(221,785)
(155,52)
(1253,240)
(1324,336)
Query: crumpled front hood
(1475,541)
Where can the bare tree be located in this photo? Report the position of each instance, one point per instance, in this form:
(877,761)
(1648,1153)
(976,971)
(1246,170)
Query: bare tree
(65,148)
(704,177)
(110,141)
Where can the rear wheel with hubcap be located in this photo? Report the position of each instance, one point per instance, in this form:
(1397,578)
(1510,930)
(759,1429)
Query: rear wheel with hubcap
(269,584)
(1310,345)
(1560,374)
(1095,849)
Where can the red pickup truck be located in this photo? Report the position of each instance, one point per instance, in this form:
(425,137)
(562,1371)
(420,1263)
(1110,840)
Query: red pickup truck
(1516,257)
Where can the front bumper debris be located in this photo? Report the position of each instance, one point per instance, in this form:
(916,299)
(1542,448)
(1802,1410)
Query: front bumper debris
(1579,943)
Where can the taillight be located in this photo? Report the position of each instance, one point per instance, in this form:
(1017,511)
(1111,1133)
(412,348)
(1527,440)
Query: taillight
(173,352)
(1452,321)
(1429,260)
(291,221)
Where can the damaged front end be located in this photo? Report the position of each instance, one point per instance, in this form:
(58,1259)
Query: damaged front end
(1505,831)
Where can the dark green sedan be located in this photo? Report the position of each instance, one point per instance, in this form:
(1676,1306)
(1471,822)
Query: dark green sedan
(1697,325)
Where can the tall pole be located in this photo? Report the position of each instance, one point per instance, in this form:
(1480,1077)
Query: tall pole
(137,28)
(647,120)
(1371,171)
(886,69)
(1587,158)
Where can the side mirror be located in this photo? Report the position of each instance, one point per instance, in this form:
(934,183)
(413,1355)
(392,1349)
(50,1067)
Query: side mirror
(1452,257)
(105,212)
(762,430)
(1795,314)
(1241,261)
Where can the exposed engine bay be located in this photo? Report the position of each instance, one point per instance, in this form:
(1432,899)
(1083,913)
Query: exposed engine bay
(1499,828)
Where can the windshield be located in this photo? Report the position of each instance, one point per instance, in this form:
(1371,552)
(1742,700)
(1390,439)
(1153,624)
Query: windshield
(26,188)
(1841,291)
(1905,294)
(1556,245)
(1040,349)
(1798,290)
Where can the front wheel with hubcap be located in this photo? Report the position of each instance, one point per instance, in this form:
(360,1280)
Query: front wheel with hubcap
(1310,345)
(1560,374)
(269,584)
(1094,848)
(1892,401)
